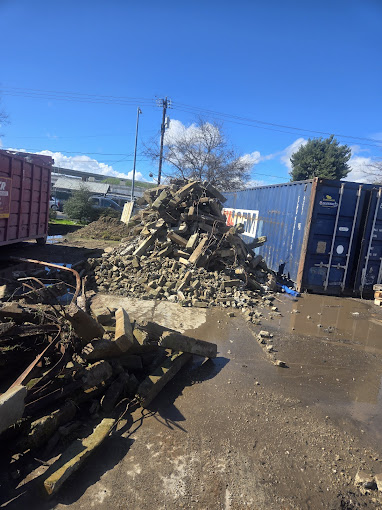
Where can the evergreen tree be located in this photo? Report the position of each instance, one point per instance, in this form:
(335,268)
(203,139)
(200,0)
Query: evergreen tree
(320,157)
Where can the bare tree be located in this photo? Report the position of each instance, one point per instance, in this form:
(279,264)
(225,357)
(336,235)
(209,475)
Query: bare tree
(373,172)
(201,151)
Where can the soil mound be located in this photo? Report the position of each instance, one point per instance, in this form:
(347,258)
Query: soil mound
(105,228)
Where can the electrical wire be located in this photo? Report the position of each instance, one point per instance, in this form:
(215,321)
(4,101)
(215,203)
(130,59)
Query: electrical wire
(184,107)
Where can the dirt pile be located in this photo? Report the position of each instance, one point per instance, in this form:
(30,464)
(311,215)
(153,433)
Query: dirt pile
(104,228)
(181,249)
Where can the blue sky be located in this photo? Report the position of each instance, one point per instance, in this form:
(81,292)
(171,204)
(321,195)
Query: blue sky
(315,66)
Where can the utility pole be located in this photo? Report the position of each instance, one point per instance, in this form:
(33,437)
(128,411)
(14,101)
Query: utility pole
(165,103)
(135,154)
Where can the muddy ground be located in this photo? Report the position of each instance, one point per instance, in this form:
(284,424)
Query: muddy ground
(238,432)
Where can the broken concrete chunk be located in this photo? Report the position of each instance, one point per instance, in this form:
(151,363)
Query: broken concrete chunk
(43,428)
(378,481)
(123,331)
(178,342)
(83,324)
(74,456)
(12,406)
(154,383)
(141,336)
(177,239)
(144,245)
(113,393)
(18,313)
(101,313)
(192,241)
(198,252)
(100,349)
(214,192)
(97,373)
(132,362)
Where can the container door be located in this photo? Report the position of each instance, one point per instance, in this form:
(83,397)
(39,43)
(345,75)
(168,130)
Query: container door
(370,263)
(333,235)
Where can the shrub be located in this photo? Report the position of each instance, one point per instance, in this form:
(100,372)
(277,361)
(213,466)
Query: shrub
(79,208)
(108,212)
(52,214)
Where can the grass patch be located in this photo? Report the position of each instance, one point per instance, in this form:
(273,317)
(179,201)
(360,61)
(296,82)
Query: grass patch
(64,222)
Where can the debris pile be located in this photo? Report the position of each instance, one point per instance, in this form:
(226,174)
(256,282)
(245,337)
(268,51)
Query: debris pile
(181,249)
(106,228)
(92,367)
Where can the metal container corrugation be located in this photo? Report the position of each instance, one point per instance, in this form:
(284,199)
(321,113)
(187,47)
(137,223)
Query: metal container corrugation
(24,197)
(279,212)
(369,267)
(313,229)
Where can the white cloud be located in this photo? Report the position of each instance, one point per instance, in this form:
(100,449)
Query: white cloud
(253,183)
(178,131)
(360,169)
(251,159)
(291,149)
(86,164)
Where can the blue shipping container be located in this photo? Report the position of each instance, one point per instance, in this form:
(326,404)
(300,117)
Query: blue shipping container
(369,267)
(313,229)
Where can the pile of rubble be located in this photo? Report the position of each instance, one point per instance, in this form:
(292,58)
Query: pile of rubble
(93,366)
(181,249)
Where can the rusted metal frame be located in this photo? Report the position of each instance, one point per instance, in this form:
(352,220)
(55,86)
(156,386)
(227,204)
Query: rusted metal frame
(50,398)
(355,218)
(21,198)
(26,330)
(56,266)
(43,383)
(370,240)
(304,247)
(326,283)
(30,367)
(44,287)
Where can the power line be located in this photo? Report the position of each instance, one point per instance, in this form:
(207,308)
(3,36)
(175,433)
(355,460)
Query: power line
(300,131)
(78,94)
(126,100)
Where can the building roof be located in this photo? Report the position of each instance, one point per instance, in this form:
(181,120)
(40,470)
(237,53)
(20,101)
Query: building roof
(75,184)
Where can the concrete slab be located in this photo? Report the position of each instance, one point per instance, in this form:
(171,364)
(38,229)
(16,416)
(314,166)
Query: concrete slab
(12,406)
(169,315)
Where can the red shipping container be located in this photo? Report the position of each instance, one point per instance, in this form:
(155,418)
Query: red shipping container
(24,196)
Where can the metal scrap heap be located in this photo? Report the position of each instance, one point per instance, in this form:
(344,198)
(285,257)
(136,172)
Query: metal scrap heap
(73,369)
(181,249)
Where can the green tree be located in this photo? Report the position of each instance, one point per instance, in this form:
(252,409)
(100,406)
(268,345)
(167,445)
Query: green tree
(79,208)
(320,157)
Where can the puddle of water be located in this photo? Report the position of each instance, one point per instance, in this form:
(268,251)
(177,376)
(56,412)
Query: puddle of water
(54,239)
(66,298)
(48,269)
(337,319)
